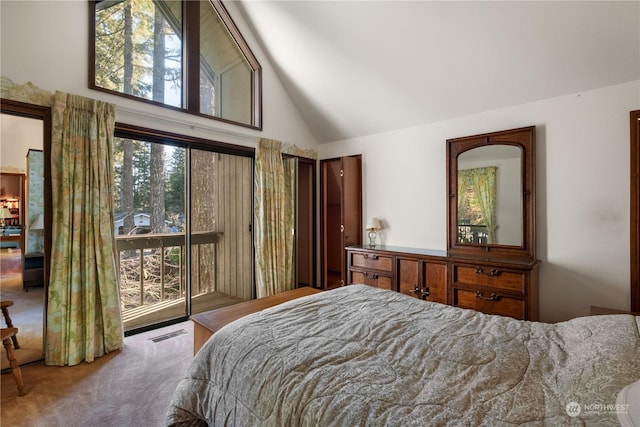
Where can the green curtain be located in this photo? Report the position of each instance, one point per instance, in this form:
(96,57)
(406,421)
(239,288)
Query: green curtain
(463,179)
(83,312)
(483,182)
(273,224)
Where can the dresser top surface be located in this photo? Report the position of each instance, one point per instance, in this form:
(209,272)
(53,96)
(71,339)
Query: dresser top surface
(399,250)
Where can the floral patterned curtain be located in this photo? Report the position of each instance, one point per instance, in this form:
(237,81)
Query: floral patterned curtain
(83,313)
(483,183)
(273,222)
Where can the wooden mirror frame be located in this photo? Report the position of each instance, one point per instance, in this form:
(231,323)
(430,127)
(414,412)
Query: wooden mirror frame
(523,138)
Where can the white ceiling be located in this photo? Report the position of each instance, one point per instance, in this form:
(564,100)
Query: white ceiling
(356,68)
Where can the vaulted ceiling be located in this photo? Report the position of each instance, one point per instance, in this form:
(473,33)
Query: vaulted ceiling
(356,68)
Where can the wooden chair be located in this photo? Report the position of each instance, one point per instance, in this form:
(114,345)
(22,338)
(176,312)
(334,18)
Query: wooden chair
(5,312)
(7,334)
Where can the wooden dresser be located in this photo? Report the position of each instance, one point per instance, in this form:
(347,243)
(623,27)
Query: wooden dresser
(491,285)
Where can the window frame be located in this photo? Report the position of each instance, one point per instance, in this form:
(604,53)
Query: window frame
(191,63)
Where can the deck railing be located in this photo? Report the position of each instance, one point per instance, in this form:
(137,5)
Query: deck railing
(468,233)
(152,266)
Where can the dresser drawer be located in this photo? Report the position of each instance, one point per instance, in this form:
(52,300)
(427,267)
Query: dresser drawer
(372,261)
(429,278)
(494,277)
(408,276)
(376,280)
(490,302)
(488,283)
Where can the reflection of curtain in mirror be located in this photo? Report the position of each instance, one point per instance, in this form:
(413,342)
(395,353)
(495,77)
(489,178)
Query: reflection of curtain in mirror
(483,183)
(463,177)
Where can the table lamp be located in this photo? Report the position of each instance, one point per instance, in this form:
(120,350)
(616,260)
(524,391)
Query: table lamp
(373,226)
(5,214)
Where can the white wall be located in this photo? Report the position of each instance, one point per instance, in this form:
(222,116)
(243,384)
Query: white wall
(46,43)
(18,135)
(583,177)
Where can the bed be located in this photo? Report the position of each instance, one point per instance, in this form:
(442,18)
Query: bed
(361,356)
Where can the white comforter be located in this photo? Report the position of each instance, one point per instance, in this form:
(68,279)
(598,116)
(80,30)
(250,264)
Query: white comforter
(360,356)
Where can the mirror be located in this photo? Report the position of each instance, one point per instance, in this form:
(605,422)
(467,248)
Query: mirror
(489,195)
(491,192)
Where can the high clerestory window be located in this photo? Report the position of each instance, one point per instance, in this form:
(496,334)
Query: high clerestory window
(187,55)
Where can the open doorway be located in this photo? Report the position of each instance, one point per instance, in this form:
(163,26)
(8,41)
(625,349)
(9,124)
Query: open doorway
(23,276)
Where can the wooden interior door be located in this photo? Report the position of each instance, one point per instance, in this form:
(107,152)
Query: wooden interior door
(305,223)
(43,115)
(331,223)
(351,208)
(341,216)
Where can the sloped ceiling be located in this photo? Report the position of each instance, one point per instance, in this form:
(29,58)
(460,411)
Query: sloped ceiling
(356,68)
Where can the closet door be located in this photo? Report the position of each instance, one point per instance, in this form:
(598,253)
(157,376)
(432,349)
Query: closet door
(331,223)
(351,208)
(341,216)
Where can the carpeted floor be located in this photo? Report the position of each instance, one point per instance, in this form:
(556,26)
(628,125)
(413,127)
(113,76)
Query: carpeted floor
(132,387)
(27,312)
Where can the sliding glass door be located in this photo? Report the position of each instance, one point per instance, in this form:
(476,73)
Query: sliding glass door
(183,220)
(221,238)
(149,196)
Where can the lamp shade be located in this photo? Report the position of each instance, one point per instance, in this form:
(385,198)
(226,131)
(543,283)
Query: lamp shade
(373,224)
(5,213)
(38,223)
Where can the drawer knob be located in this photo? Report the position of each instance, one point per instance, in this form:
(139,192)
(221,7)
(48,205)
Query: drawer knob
(421,293)
(373,257)
(492,297)
(493,272)
(371,275)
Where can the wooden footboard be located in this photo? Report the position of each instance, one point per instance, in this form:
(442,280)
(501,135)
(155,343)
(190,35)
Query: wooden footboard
(207,323)
(595,310)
